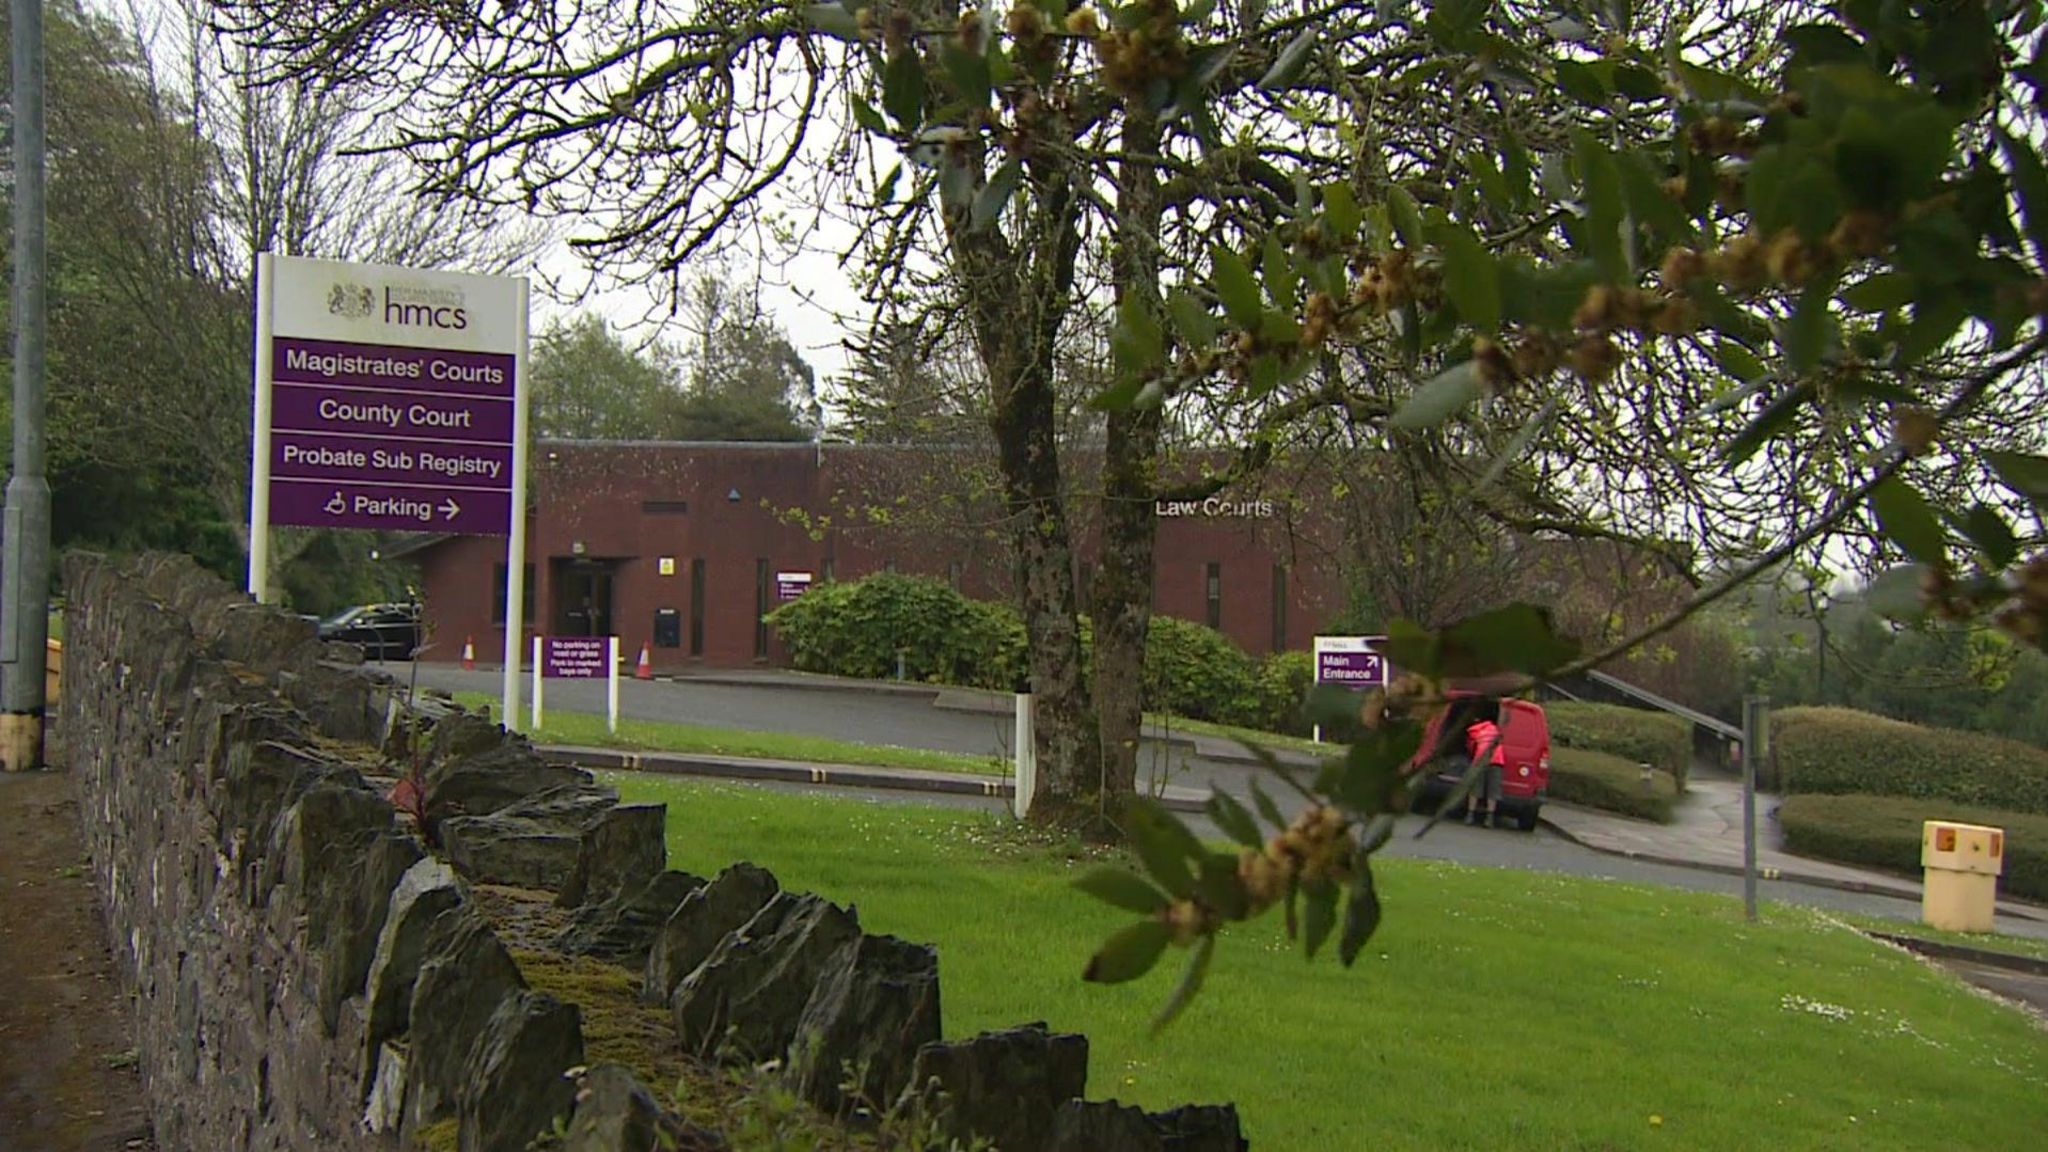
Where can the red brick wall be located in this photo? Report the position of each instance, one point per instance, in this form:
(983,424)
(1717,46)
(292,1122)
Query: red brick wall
(858,508)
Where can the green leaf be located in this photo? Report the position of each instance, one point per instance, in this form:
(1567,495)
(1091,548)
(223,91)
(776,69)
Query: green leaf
(1582,82)
(1444,396)
(1450,21)
(833,20)
(1471,279)
(995,195)
(1283,284)
(968,71)
(864,114)
(1190,984)
(1236,822)
(1370,773)
(1287,66)
(885,193)
(1879,292)
(1405,217)
(903,90)
(1987,529)
(1138,343)
(1319,915)
(1738,362)
(1164,845)
(1129,954)
(1814,44)
(1236,288)
(1122,889)
(1811,328)
(1776,417)
(1217,885)
(1340,209)
(2030,188)
(1909,521)
(1895,593)
(1361,914)
(2024,474)
(1601,228)
(1518,638)
(1266,807)
(1191,319)
(1519,446)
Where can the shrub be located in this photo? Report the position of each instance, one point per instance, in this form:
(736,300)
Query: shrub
(1610,783)
(856,630)
(1658,739)
(1284,680)
(1837,751)
(1884,832)
(1197,672)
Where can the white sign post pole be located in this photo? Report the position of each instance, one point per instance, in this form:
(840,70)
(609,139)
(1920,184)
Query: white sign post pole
(515,543)
(611,692)
(1026,759)
(514,696)
(259,438)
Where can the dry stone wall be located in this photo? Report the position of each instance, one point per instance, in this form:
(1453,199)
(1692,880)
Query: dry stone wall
(316,969)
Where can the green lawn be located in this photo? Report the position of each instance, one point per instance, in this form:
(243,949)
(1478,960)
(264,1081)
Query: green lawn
(1496,1009)
(560,726)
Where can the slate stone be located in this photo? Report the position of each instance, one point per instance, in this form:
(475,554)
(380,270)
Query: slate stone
(466,975)
(745,1000)
(702,920)
(616,1113)
(625,847)
(342,858)
(426,891)
(623,929)
(515,1083)
(877,1005)
(384,1103)
(532,843)
(503,773)
(1004,1086)
(1106,1126)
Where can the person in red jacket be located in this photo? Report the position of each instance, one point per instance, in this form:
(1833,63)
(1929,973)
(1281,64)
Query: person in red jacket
(1483,738)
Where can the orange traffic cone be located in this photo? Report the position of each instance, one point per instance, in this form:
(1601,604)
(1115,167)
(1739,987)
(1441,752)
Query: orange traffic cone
(645,669)
(469,653)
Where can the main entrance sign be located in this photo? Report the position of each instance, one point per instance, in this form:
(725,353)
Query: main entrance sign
(390,399)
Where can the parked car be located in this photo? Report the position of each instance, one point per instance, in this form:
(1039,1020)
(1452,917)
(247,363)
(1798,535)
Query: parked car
(385,631)
(1524,737)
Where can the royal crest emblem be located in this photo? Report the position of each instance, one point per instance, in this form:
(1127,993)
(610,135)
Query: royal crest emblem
(351,301)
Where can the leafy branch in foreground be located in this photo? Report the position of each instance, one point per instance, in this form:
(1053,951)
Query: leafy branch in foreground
(1316,865)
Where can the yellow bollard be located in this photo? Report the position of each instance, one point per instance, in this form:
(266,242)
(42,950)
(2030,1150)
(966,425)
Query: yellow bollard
(1962,863)
(53,673)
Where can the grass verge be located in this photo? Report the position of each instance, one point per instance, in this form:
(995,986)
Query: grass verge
(1884,832)
(564,727)
(1590,1012)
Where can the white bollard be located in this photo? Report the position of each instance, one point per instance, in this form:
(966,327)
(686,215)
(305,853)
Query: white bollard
(611,694)
(1026,759)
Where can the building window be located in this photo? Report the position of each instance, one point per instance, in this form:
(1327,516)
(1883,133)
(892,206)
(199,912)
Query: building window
(827,569)
(664,507)
(1213,580)
(697,607)
(889,565)
(954,572)
(498,595)
(761,606)
(1279,608)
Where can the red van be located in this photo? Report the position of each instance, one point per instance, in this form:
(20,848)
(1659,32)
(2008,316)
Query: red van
(1525,738)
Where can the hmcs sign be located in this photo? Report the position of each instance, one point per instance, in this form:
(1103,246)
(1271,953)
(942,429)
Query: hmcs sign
(389,397)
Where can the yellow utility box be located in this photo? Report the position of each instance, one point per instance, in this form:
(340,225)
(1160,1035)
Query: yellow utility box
(1962,864)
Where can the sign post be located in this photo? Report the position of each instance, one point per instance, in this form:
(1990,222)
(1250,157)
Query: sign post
(578,658)
(1756,740)
(391,399)
(1351,662)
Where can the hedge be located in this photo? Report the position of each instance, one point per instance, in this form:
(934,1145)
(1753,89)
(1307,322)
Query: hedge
(1884,832)
(1197,672)
(1658,739)
(1284,682)
(1837,751)
(1610,783)
(857,629)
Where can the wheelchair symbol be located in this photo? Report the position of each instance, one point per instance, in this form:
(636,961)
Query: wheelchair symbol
(336,506)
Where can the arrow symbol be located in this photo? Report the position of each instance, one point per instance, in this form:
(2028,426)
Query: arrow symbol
(450,509)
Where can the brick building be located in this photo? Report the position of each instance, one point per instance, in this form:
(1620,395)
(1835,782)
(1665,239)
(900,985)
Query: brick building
(684,546)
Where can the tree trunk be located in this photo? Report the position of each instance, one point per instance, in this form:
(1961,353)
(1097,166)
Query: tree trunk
(1123,577)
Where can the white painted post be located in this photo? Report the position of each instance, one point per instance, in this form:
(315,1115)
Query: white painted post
(259,440)
(515,542)
(1026,758)
(611,694)
(514,697)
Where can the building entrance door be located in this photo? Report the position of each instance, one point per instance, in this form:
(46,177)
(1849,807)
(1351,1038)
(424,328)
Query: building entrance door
(583,597)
